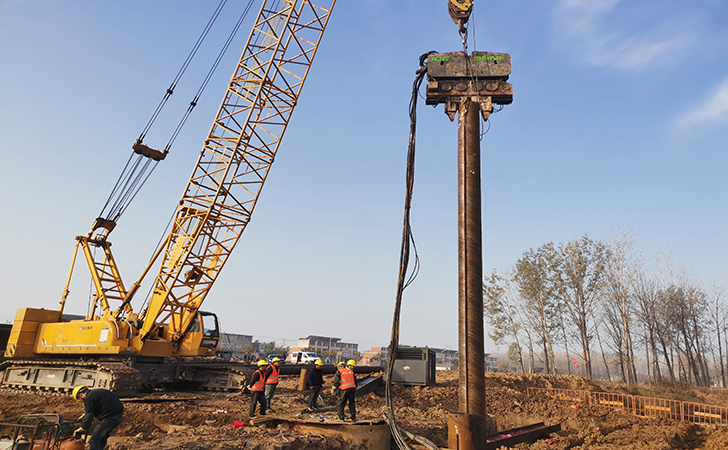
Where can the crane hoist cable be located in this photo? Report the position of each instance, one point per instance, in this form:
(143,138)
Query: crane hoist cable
(170,90)
(143,160)
(408,242)
(214,66)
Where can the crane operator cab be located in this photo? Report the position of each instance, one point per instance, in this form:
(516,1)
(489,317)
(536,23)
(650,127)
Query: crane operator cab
(203,334)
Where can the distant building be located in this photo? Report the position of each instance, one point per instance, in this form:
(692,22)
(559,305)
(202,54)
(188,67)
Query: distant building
(322,345)
(234,345)
(491,364)
(374,356)
(446,359)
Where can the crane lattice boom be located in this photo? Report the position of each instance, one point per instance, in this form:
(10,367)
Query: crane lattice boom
(234,163)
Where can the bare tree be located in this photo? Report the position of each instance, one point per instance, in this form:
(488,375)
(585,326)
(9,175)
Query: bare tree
(718,322)
(685,311)
(621,272)
(657,334)
(535,278)
(598,326)
(582,265)
(501,312)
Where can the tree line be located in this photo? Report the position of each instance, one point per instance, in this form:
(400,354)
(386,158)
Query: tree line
(598,303)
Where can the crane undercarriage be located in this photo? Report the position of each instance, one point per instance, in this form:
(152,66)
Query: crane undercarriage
(123,377)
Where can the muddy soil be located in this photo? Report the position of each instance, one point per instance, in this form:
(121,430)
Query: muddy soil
(204,421)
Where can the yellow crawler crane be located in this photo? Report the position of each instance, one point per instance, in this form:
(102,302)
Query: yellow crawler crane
(117,348)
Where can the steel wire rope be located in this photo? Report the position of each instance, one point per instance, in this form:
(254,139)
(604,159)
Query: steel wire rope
(475,79)
(138,182)
(156,247)
(407,241)
(275,28)
(170,90)
(130,182)
(256,42)
(132,186)
(200,90)
(90,290)
(475,49)
(475,42)
(118,181)
(210,72)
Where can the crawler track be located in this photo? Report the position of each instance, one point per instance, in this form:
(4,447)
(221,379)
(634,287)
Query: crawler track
(61,376)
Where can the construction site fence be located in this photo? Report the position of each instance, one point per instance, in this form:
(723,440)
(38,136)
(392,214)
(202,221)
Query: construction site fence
(642,406)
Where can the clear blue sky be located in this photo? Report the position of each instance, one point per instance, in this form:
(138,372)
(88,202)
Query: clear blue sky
(620,119)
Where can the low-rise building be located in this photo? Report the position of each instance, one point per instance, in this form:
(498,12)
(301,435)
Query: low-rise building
(374,356)
(331,348)
(446,359)
(233,345)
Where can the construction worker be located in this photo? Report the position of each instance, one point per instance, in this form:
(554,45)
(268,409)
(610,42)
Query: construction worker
(271,381)
(315,381)
(335,389)
(105,406)
(257,387)
(346,382)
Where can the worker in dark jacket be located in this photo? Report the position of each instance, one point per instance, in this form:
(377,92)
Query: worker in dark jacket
(315,381)
(257,387)
(105,406)
(346,382)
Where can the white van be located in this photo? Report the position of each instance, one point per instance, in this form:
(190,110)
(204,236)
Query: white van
(303,357)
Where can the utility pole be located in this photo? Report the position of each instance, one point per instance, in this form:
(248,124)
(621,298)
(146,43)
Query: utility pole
(469,85)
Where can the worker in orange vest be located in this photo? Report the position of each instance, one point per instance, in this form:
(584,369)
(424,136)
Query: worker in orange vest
(335,389)
(257,387)
(346,382)
(271,381)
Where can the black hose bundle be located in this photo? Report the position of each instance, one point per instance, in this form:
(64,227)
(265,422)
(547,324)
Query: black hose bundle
(404,280)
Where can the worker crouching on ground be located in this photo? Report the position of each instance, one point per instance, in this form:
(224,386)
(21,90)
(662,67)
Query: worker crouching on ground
(315,381)
(105,406)
(257,387)
(271,381)
(346,382)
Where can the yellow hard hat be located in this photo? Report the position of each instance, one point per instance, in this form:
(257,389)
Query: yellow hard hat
(318,362)
(78,390)
(276,359)
(340,364)
(351,362)
(262,362)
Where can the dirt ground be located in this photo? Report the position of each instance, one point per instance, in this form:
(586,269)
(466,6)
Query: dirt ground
(203,421)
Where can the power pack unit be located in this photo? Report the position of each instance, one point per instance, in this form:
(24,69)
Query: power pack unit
(414,366)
